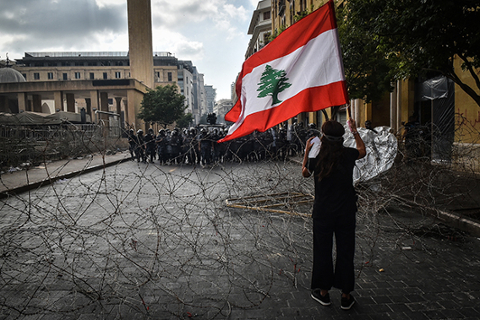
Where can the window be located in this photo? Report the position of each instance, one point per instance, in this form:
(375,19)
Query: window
(105,75)
(65,76)
(169,76)
(118,75)
(36,76)
(77,75)
(92,76)
(50,75)
(266,15)
(24,75)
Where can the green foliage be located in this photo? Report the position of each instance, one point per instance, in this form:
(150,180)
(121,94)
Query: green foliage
(277,33)
(366,69)
(162,105)
(272,83)
(185,120)
(420,37)
(301,15)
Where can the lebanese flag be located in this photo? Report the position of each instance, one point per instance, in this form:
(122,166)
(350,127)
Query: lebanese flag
(300,71)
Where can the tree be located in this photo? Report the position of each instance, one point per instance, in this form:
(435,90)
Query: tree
(367,72)
(185,120)
(422,36)
(164,105)
(272,83)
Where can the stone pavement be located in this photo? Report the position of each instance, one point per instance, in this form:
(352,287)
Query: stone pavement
(145,243)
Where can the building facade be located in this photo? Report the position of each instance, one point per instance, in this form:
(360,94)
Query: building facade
(200,98)
(211,94)
(107,66)
(221,108)
(185,82)
(260,27)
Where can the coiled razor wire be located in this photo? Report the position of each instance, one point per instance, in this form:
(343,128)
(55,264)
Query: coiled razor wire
(148,241)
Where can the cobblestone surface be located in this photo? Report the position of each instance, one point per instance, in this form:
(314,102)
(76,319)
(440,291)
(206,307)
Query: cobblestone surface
(137,241)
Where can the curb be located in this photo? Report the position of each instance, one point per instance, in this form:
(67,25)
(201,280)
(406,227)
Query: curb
(453,220)
(48,181)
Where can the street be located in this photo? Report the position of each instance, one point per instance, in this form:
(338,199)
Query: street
(143,241)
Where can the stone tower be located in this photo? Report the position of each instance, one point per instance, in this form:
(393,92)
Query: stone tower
(140,41)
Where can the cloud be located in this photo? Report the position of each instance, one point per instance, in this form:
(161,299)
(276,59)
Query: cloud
(58,23)
(210,33)
(184,48)
(180,13)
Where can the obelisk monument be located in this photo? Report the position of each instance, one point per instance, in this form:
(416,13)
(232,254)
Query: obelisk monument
(140,41)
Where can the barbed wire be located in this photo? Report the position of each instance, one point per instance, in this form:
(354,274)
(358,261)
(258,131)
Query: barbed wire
(143,240)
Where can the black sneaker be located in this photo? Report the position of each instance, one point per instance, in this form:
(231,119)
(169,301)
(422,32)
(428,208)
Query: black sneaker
(323,300)
(347,303)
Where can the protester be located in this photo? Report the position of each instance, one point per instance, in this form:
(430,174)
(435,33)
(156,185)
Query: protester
(368,125)
(334,213)
(132,143)
(413,136)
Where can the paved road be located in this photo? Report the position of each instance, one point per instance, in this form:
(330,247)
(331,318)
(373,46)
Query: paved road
(136,241)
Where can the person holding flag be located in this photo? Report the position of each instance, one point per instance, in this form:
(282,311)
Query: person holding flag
(334,212)
(301,70)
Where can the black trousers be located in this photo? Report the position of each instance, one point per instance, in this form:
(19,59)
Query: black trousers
(324,275)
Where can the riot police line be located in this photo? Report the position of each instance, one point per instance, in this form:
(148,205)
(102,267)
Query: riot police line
(199,145)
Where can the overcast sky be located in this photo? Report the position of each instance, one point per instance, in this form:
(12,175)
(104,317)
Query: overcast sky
(210,33)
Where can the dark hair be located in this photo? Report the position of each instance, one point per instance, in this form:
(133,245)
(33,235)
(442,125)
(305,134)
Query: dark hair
(331,148)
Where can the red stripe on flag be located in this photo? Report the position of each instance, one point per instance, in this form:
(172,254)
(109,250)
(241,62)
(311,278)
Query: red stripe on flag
(309,100)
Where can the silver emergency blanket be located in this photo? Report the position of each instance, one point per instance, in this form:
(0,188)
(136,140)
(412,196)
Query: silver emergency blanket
(381,152)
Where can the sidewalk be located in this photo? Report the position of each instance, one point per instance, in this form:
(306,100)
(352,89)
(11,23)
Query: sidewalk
(21,180)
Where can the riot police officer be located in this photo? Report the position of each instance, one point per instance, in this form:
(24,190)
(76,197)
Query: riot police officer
(150,145)
(161,142)
(140,147)
(131,143)
(176,146)
(205,146)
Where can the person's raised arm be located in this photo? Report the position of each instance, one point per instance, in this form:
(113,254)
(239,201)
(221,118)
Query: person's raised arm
(362,151)
(305,172)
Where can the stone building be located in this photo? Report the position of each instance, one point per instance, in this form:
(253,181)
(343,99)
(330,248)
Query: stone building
(260,27)
(211,94)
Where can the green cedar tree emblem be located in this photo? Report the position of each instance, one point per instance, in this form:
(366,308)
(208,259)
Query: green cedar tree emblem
(272,83)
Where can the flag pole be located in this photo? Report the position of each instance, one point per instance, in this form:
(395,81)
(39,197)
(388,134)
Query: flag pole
(349,116)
